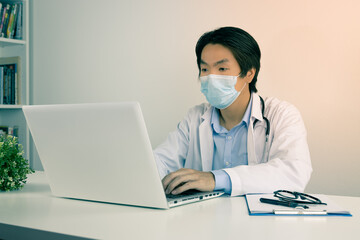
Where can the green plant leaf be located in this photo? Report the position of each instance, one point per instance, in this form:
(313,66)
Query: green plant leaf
(14,168)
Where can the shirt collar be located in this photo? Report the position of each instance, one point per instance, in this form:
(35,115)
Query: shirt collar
(215,117)
(247,114)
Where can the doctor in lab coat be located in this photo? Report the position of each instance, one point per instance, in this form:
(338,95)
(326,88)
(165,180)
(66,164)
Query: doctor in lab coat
(222,144)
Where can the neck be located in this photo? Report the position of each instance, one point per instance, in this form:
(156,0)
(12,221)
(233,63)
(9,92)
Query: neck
(233,115)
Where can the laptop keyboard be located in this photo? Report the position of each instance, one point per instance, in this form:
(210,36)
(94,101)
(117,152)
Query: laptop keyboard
(184,194)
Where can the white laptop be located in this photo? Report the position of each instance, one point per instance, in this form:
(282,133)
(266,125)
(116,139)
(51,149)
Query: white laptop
(100,152)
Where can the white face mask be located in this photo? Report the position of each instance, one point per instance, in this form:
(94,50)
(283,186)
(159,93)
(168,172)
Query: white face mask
(220,90)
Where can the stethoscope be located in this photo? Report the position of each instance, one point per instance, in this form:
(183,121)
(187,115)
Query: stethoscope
(267,132)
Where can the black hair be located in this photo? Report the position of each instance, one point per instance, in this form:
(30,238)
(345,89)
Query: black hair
(242,45)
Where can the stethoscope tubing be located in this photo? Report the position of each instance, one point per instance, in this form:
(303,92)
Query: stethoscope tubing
(267,131)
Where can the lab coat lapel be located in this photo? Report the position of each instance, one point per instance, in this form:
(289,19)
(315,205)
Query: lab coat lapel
(206,141)
(255,114)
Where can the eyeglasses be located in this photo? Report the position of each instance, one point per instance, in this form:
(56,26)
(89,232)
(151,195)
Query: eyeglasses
(290,196)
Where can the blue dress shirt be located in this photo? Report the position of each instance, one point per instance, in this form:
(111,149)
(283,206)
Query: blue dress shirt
(230,147)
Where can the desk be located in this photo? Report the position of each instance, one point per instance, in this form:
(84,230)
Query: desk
(33,212)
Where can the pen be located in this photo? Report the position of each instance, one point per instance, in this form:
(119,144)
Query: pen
(282,203)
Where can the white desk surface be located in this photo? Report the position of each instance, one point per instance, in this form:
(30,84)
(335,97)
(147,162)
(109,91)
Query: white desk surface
(224,218)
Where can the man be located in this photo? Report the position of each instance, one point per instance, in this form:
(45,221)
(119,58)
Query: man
(238,142)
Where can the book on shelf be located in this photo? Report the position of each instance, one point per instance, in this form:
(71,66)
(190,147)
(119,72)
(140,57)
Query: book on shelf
(11,20)
(10,81)
(5,20)
(18,28)
(6,130)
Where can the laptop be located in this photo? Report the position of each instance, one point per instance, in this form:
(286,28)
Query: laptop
(100,152)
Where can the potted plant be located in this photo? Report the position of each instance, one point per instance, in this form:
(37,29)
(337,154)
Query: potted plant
(13,166)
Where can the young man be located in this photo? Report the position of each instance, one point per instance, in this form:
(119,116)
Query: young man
(237,142)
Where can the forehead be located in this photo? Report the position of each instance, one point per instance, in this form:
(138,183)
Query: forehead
(213,53)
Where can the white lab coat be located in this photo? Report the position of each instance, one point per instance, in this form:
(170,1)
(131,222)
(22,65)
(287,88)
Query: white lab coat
(286,164)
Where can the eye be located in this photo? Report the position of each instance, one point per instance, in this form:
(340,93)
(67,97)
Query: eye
(222,69)
(204,70)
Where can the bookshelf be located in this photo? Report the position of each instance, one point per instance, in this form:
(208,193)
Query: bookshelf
(11,42)
(11,114)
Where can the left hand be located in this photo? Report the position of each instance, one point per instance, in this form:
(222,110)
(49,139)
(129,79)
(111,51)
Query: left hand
(185,179)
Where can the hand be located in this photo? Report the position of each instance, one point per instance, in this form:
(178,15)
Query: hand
(185,179)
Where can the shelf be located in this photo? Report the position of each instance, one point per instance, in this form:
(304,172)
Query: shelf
(11,114)
(9,106)
(7,41)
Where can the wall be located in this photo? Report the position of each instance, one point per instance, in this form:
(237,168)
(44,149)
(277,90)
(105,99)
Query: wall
(100,51)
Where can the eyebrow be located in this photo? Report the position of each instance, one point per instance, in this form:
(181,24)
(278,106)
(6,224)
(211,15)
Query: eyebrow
(217,63)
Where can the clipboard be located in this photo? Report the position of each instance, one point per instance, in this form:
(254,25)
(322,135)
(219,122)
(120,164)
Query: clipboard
(257,208)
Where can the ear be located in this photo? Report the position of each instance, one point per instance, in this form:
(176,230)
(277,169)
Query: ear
(250,75)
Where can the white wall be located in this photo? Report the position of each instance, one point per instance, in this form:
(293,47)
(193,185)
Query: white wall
(99,51)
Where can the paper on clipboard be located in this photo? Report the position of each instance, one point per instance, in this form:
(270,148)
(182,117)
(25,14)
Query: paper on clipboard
(256,207)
